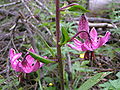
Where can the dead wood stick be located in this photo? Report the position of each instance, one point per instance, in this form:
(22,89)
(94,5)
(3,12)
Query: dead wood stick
(101,25)
(30,12)
(33,42)
(94,19)
(44,7)
(10,4)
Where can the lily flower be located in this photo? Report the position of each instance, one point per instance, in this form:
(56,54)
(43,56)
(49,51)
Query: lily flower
(91,39)
(27,65)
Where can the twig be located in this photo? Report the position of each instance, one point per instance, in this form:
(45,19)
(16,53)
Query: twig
(29,11)
(69,70)
(101,25)
(6,12)
(4,71)
(44,7)
(94,19)
(29,31)
(10,4)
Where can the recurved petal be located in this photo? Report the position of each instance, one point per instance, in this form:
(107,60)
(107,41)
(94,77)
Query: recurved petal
(18,68)
(83,47)
(30,59)
(103,40)
(11,53)
(88,45)
(93,34)
(14,61)
(36,66)
(41,64)
(15,57)
(31,49)
(77,42)
(83,26)
(26,67)
(75,47)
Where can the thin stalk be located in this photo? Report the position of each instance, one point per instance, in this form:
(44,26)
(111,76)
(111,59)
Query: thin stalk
(60,65)
(78,34)
(40,85)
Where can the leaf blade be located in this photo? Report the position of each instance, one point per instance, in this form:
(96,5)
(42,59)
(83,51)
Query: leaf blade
(39,58)
(93,80)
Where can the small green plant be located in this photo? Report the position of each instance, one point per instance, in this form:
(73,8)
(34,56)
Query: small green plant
(111,84)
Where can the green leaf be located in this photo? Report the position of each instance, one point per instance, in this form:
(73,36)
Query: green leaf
(39,58)
(93,80)
(48,79)
(78,8)
(65,36)
(114,83)
(118,74)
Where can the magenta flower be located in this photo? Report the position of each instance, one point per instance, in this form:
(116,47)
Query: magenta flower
(27,65)
(91,39)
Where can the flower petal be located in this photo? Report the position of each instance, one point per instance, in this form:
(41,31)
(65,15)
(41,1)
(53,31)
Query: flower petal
(103,40)
(77,42)
(14,62)
(30,59)
(26,67)
(11,53)
(74,47)
(88,45)
(83,26)
(41,64)
(93,34)
(36,66)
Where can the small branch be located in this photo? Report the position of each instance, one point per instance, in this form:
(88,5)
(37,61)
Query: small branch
(69,70)
(10,4)
(39,33)
(30,33)
(78,34)
(94,19)
(44,7)
(29,11)
(101,25)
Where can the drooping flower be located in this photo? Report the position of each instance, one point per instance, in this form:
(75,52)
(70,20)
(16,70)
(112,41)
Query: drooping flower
(91,39)
(27,65)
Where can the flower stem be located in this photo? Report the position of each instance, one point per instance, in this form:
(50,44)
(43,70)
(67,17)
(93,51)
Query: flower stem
(60,65)
(78,34)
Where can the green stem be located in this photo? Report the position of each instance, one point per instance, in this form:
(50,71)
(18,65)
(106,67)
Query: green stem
(38,73)
(60,65)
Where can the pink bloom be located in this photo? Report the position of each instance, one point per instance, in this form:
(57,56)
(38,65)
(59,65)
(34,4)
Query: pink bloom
(27,65)
(90,44)
(91,39)
(83,26)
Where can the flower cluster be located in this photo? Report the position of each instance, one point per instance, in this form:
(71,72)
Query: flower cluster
(27,65)
(90,37)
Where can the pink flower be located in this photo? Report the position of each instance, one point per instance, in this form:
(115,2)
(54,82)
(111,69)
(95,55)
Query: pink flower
(27,65)
(91,39)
